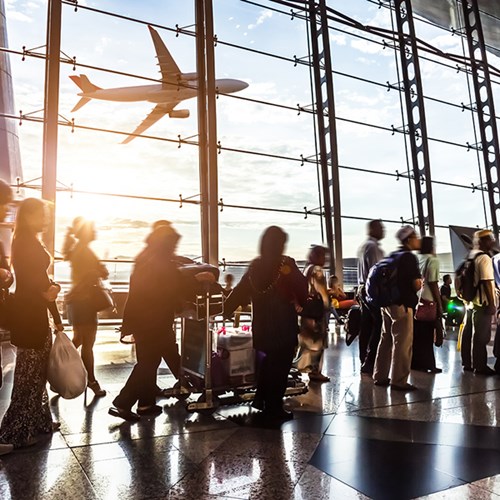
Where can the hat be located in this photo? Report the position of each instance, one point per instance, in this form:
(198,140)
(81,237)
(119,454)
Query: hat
(405,232)
(483,233)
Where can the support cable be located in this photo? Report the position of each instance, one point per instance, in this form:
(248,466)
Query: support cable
(197,202)
(302,161)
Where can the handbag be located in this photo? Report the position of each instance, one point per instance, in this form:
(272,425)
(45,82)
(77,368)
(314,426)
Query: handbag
(314,307)
(66,372)
(101,298)
(426,310)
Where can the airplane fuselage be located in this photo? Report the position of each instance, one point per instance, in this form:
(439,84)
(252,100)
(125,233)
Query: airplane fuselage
(158,93)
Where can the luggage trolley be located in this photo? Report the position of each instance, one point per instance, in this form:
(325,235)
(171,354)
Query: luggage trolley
(202,370)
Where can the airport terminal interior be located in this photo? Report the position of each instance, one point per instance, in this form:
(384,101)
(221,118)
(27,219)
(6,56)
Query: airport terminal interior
(348,440)
(317,116)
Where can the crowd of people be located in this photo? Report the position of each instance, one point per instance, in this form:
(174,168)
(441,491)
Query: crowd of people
(291,311)
(400,337)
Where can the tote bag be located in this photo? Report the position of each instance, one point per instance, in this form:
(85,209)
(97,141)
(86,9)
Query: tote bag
(66,373)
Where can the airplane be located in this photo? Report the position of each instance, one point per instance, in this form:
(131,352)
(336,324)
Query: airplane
(175,87)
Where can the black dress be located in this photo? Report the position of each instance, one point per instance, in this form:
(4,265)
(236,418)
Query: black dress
(28,413)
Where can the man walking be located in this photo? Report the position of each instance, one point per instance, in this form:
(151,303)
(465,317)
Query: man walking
(395,347)
(371,319)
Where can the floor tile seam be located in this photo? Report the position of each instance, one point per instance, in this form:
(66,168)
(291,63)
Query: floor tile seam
(443,445)
(421,401)
(84,472)
(338,479)
(121,440)
(215,449)
(482,488)
(419,421)
(468,483)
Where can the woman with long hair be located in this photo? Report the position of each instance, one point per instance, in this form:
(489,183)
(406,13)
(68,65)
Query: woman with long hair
(28,414)
(86,272)
(275,286)
(313,338)
(423,358)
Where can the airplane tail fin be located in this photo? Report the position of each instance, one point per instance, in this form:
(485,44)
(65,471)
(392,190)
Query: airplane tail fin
(80,103)
(85,84)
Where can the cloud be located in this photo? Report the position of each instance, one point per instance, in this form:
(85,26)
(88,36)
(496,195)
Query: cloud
(338,39)
(265,14)
(19,16)
(368,47)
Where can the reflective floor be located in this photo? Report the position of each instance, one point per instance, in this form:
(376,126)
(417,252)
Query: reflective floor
(348,440)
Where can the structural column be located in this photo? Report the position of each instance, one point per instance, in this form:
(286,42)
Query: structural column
(51,116)
(415,112)
(202,126)
(207,129)
(327,132)
(485,105)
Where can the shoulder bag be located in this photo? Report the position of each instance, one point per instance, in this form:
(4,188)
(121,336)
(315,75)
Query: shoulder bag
(426,310)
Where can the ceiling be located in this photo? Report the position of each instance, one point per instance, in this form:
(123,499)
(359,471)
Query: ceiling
(446,14)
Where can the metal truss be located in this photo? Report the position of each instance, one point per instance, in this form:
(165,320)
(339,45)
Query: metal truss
(414,98)
(485,107)
(327,131)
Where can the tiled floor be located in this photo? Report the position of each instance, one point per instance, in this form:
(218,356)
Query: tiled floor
(349,440)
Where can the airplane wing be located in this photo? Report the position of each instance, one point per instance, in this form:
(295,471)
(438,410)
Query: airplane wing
(169,70)
(159,111)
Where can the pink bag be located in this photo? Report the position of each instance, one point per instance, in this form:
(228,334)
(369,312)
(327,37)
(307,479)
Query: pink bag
(426,310)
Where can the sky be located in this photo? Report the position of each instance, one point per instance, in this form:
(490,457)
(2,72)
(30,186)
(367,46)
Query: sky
(97,162)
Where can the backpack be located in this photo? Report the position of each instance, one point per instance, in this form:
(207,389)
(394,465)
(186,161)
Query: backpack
(464,279)
(382,283)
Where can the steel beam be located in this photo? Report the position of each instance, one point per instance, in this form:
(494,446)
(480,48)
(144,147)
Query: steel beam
(415,113)
(202,126)
(51,116)
(327,132)
(213,177)
(485,105)
(207,131)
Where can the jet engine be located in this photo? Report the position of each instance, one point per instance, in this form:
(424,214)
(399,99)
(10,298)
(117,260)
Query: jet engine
(179,113)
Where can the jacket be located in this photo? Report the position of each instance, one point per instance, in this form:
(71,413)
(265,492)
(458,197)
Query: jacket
(274,317)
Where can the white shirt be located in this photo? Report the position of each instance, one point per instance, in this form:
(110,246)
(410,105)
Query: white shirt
(431,275)
(483,271)
(368,255)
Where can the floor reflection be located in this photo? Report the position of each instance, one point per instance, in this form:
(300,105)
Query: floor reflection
(344,434)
